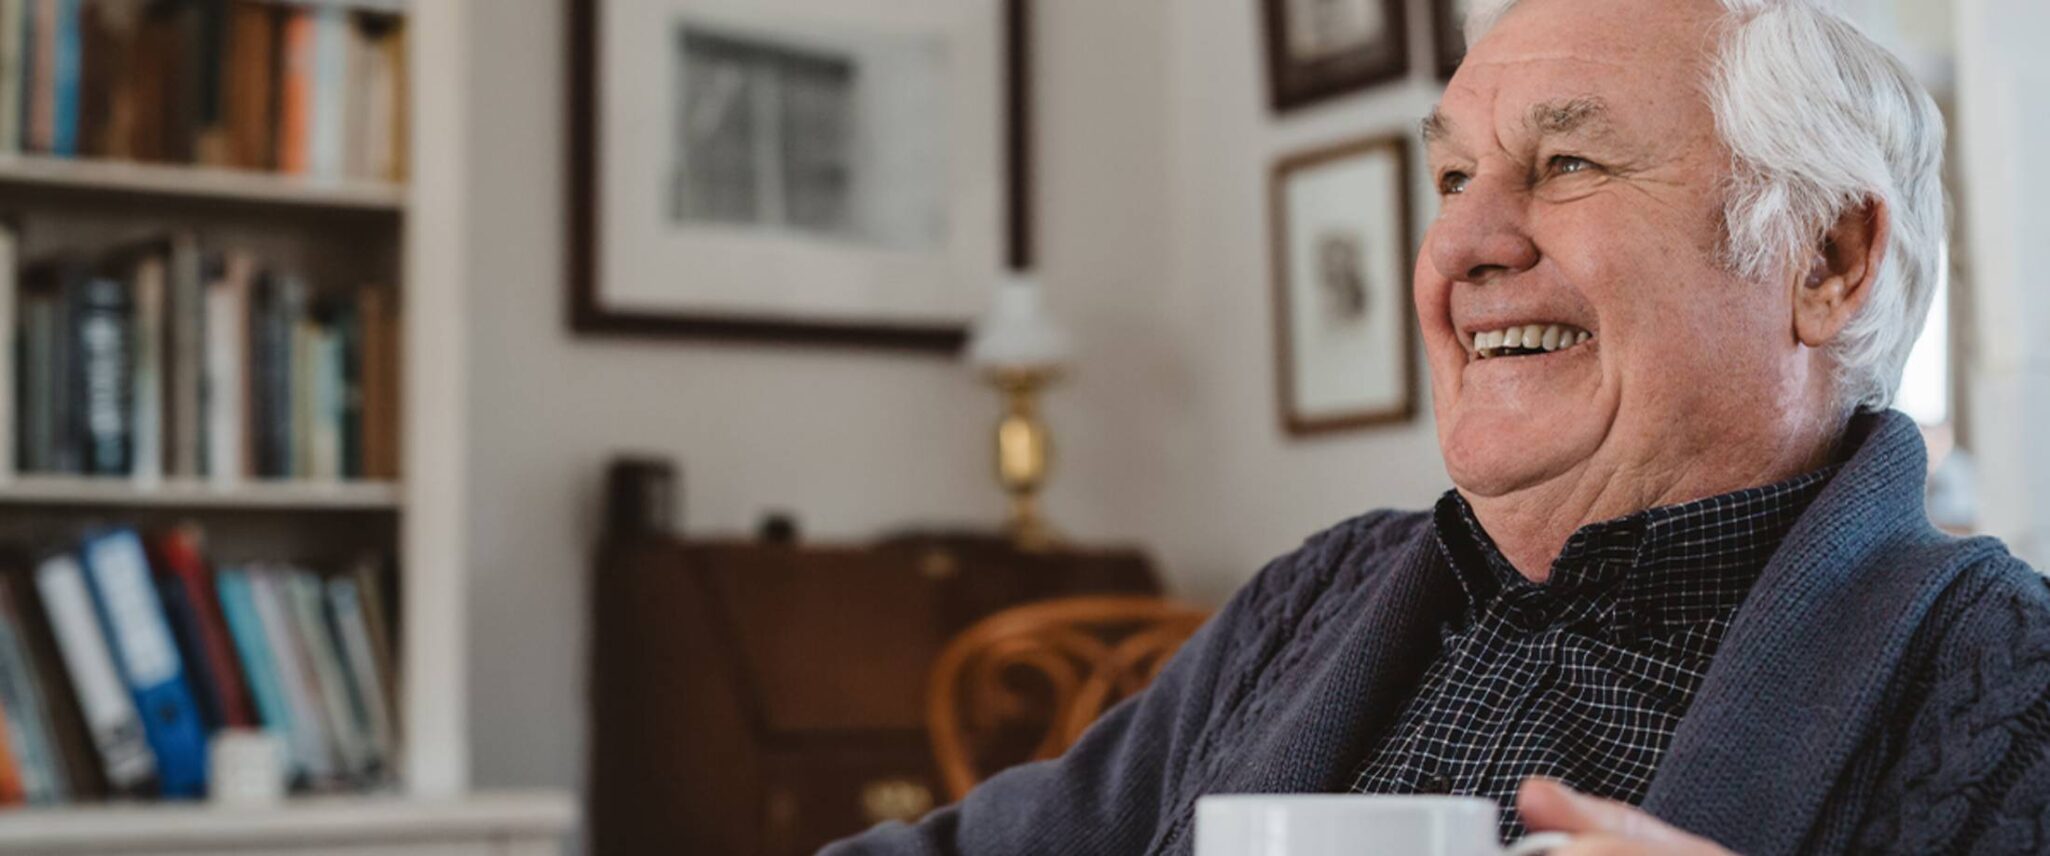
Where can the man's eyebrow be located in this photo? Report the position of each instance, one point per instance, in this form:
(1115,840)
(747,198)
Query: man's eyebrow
(1436,126)
(1558,118)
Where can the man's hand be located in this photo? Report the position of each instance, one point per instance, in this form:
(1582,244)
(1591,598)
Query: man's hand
(1602,827)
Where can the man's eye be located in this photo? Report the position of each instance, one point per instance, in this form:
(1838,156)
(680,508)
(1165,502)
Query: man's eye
(1568,164)
(1453,183)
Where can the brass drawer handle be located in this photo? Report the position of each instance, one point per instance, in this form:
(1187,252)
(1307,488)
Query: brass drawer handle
(895,799)
(938,565)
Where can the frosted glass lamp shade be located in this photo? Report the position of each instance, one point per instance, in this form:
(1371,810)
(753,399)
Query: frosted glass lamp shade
(1017,333)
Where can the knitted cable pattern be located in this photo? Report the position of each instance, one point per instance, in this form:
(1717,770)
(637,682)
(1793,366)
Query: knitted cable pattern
(1973,774)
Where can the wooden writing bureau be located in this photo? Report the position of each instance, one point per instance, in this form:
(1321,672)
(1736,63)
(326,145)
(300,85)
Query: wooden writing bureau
(750,698)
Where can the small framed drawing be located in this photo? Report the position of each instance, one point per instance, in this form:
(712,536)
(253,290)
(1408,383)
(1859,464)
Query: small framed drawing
(1318,49)
(1342,247)
(1448,28)
(787,170)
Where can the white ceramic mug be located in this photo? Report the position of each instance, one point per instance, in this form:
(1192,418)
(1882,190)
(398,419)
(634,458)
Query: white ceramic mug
(1355,825)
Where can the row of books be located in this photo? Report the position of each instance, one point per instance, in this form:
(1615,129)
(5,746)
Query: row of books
(165,358)
(120,658)
(306,89)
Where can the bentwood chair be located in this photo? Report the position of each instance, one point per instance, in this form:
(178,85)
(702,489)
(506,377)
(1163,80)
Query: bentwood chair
(1023,684)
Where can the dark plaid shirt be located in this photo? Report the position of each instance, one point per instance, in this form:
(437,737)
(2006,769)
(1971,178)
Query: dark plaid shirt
(1582,678)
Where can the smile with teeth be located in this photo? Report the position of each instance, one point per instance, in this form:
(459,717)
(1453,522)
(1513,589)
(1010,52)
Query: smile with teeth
(1528,339)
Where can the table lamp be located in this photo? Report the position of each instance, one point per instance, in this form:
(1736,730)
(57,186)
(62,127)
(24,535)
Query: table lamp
(1020,350)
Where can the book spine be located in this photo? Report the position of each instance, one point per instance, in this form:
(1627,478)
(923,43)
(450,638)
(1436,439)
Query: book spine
(41,39)
(328,137)
(349,356)
(309,613)
(245,627)
(148,93)
(379,135)
(10,327)
(190,271)
(359,655)
(99,56)
(327,406)
(356,99)
(177,558)
(67,379)
(37,336)
(69,71)
(208,40)
(13,790)
(263,293)
(379,368)
(301,397)
(105,345)
(113,84)
(147,390)
(312,744)
(83,777)
(183,622)
(250,79)
(39,341)
(118,570)
(109,712)
(295,101)
(42,774)
(13,71)
(370,596)
(226,359)
(290,390)
(275,356)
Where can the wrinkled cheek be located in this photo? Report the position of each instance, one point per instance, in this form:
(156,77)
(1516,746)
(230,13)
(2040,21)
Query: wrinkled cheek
(1432,295)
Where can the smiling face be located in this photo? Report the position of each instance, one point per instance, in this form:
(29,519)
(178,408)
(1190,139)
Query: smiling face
(1590,353)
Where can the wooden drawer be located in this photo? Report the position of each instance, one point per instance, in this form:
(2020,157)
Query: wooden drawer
(767,699)
(829,789)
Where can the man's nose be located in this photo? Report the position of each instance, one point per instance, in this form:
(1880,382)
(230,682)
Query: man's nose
(1481,234)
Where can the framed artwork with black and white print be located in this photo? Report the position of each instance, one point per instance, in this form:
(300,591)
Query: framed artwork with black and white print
(1342,245)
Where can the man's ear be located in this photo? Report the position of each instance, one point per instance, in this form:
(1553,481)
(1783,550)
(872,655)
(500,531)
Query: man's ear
(1841,272)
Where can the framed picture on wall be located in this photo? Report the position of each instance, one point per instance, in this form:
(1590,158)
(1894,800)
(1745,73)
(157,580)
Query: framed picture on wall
(1342,250)
(1448,28)
(1319,49)
(808,171)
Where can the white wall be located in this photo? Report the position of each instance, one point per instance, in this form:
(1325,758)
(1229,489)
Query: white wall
(852,442)
(2003,74)
(1260,491)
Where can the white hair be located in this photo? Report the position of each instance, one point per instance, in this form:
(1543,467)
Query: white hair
(1820,121)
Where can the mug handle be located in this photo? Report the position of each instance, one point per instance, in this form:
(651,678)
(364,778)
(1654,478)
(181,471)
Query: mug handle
(1531,845)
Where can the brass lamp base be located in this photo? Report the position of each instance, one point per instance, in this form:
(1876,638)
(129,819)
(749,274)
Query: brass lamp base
(1024,448)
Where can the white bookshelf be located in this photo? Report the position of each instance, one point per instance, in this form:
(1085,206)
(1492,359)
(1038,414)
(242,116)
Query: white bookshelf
(504,823)
(114,493)
(392,7)
(434,809)
(199,183)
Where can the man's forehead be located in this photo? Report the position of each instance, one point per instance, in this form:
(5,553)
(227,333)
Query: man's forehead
(1577,114)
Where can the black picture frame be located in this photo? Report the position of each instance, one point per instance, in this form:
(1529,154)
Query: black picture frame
(1448,37)
(1395,212)
(589,316)
(1296,82)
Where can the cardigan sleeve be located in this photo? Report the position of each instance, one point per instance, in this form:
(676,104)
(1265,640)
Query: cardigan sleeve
(1114,791)
(1973,771)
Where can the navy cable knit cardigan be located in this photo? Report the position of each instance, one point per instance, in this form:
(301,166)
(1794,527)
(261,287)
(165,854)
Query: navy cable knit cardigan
(1884,688)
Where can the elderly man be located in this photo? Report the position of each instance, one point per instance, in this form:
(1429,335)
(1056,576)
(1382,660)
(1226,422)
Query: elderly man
(1684,597)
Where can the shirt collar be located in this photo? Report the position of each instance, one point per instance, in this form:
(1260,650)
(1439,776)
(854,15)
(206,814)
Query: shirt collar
(1661,568)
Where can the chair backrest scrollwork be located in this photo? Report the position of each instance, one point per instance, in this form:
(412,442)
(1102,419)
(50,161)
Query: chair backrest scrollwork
(1025,683)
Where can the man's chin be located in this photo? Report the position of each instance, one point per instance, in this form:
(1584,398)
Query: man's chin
(1489,462)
